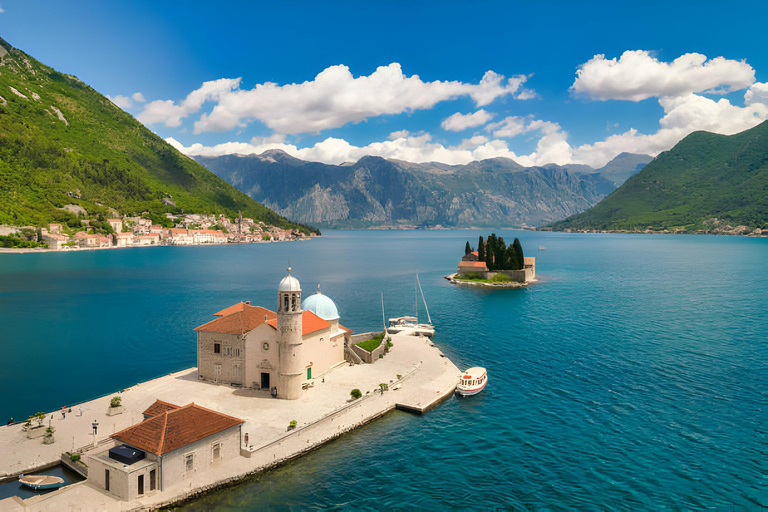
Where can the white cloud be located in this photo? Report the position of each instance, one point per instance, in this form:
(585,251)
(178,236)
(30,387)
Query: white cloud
(2,10)
(334,98)
(682,116)
(459,122)
(171,114)
(401,134)
(121,101)
(138,97)
(757,93)
(637,75)
(551,148)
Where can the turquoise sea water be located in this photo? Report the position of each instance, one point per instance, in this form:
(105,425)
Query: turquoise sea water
(632,377)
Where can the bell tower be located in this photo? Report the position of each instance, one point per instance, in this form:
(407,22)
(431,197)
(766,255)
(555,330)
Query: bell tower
(289,331)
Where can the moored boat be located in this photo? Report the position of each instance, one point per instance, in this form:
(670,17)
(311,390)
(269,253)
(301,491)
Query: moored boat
(41,482)
(472,381)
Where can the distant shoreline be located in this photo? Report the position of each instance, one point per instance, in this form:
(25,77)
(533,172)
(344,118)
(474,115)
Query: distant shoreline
(41,250)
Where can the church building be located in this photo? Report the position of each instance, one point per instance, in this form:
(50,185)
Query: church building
(253,347)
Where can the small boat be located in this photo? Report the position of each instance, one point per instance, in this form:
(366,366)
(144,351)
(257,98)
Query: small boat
(41,482)
(411,323)
(472,381)
(542,248)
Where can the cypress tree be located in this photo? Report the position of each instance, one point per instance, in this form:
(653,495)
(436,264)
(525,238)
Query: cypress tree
(490,246)
(520,263)
(511,257)
(480,249)
(467,249)
(499,253)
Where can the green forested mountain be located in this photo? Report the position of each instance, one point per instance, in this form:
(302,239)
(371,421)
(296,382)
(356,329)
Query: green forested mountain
(62,143)
(375,191)
(706,176)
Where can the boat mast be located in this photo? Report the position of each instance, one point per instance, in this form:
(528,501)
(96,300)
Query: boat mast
(429,319)
(416,297)
(383,320)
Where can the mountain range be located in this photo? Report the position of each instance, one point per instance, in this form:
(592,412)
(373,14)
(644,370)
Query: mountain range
(706,183)
(65,148)
(375,191)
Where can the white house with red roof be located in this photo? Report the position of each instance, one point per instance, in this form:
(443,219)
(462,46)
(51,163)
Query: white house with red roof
(253,347)
(164,450)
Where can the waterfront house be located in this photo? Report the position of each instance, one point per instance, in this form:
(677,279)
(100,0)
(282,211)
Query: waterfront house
(177,236)
(55,241)
(147,239)
(92,241)
(165,450)
(124,239)
(54,228)
(254,347)
(208,236)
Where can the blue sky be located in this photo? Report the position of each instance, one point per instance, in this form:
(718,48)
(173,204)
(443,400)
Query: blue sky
(643,102)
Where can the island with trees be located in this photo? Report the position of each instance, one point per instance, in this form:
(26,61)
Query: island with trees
(494,263)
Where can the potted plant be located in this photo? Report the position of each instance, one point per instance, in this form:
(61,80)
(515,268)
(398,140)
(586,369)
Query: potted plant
(292,425)
(115,406)
(355,393)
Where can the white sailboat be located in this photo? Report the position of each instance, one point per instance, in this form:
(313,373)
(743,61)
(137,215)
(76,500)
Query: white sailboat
(411,323)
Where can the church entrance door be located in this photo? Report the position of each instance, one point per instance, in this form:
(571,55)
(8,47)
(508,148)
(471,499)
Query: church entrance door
(264,380)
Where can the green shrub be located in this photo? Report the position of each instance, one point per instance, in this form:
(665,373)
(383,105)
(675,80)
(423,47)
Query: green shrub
(74,457)
(355,393)
(116,401)
(500,278)
(371,344)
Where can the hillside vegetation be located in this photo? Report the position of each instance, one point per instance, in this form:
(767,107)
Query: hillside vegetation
(62,143)
(704,181)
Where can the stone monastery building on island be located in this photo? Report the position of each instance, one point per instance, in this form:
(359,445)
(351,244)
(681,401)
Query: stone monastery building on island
(254,347)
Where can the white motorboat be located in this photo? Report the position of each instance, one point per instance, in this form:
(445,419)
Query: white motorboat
(472,381)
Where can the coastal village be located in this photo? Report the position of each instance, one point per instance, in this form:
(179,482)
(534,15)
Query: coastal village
(268,387)
(126,231)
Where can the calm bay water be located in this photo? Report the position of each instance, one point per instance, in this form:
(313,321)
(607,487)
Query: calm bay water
(632,377)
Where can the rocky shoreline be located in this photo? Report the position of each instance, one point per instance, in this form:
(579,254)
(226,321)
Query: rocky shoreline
(452,279)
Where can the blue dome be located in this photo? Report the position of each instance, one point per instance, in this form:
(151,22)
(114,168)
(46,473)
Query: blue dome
(321,305)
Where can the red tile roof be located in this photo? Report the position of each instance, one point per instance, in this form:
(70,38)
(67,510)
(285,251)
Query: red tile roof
(232,309)
(310,323)
(175,429)
(473,264)
(239,321)
(350,331)
(159,407)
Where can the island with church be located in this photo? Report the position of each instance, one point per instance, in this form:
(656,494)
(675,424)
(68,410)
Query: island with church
(495,264)
(269,386)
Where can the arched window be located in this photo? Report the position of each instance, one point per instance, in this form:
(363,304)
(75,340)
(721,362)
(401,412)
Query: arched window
(285,306)
(293,302)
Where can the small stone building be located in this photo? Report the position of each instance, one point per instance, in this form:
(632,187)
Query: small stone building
(165,449)
(254,347)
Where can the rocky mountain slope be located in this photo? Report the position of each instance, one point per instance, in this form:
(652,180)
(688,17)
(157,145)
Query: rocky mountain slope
(62,144)
(379,192)
(706,183)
